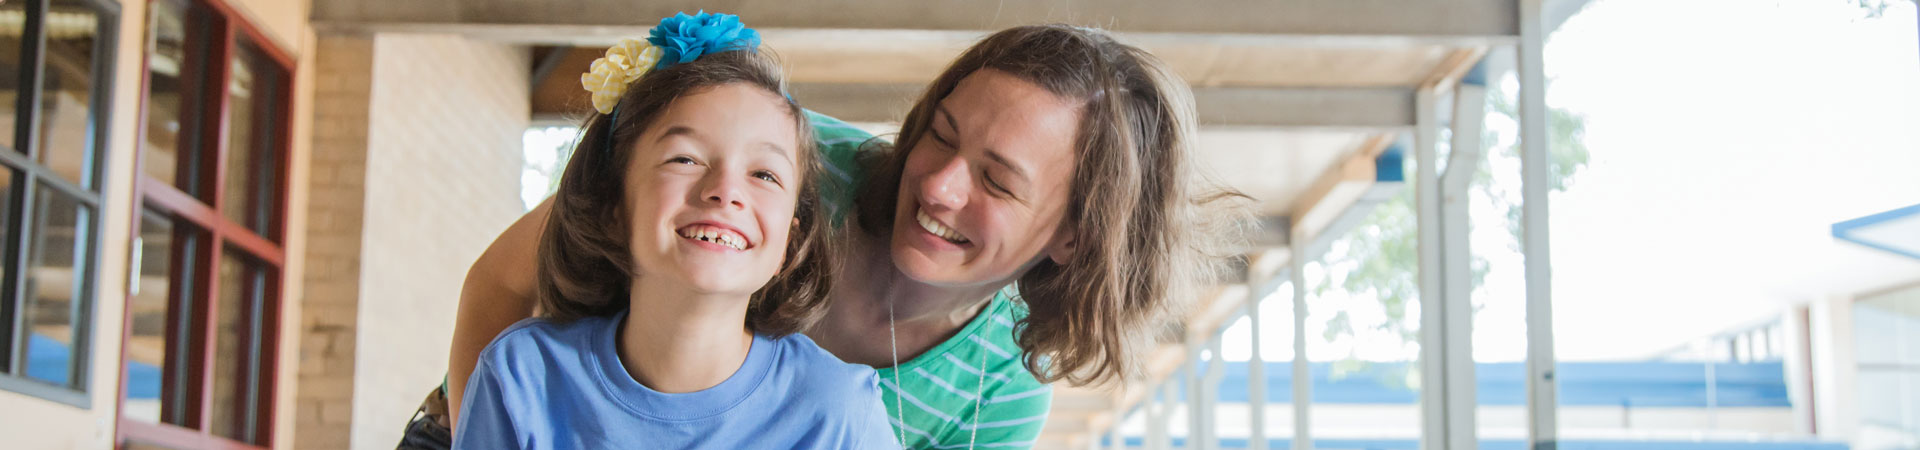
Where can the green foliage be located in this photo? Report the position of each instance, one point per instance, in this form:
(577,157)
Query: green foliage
(1566,155)
(1379,258)
(1875,8)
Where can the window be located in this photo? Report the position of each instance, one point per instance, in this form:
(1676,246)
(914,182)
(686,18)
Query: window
(203,313)
(1886,332)
(55,62)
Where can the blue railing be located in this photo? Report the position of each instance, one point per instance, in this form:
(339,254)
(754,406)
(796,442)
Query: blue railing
(1515,444)
(1630,384)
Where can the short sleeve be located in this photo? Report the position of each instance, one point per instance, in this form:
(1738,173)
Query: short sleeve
(873,431)
(484,419)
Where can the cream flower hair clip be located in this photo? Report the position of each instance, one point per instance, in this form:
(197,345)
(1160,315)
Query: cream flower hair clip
(678,39)
(609,76)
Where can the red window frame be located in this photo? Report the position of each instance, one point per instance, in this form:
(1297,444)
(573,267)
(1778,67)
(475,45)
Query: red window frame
(218,235)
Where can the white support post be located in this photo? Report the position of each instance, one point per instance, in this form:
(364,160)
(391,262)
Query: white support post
(1216,370)
(1302,377)
(1196,398)
(1256,378)
(1433,348)
(1470,101)
(1797,356)
(1535,179)
(1157,418)
(1172,393)
(1191,379)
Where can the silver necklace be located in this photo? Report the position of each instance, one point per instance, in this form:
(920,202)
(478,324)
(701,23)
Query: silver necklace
(900,415)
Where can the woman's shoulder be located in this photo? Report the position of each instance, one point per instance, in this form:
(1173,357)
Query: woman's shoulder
(840,145)
(999,343)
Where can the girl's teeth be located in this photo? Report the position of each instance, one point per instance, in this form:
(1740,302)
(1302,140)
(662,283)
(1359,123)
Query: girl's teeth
(717,236)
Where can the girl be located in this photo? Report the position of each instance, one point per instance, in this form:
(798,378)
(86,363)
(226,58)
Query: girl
(682,252)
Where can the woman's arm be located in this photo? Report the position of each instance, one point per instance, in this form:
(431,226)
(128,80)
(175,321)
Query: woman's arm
(499,291)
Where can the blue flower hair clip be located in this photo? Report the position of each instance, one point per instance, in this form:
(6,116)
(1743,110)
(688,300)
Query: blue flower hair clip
(677,40)
(683,38)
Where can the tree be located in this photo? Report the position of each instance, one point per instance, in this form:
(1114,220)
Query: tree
(1875,8)
(1379,258)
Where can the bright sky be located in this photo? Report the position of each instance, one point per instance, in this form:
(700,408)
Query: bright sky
(1727,136)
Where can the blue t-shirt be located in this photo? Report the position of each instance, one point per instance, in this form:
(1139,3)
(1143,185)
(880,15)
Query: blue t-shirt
(543,385)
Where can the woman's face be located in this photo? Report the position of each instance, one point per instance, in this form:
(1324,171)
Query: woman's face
(711,188)
(984,192)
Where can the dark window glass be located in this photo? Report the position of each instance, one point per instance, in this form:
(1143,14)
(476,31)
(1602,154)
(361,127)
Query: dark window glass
(56,281)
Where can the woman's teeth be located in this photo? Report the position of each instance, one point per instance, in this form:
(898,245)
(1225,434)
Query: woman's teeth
(715,235)
(934,226)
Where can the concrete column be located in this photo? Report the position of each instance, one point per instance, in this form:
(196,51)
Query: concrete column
(415,168)
(1835,370)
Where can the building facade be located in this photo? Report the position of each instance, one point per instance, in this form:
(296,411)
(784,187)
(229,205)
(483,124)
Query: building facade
(217,220)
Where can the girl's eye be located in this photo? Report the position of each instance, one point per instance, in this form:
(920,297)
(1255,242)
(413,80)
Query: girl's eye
(937,139)
(681,160)
(766,175)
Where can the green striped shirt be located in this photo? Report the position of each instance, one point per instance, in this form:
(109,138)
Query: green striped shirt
(938,399)
(933,397)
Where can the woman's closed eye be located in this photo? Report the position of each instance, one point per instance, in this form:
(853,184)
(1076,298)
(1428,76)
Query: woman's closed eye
(941,141)
(995,186)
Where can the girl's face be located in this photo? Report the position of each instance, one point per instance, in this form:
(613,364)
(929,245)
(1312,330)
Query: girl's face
(984,192)
(711,189)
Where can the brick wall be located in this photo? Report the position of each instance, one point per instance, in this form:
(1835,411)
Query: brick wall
(336,190)
(416,168)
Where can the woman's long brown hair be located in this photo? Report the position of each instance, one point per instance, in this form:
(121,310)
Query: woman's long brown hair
(1149,233)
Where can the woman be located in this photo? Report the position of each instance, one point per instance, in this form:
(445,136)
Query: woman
(1037,218)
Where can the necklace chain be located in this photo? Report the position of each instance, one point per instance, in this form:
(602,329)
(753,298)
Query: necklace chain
(893,343)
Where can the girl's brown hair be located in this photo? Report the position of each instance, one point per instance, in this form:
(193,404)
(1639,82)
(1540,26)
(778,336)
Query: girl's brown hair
(1148,232)
(585,267)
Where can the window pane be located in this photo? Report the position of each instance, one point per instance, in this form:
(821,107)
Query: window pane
(66,144)
(235,375)
(6,224)
(166,56)
(56,281)
(250,115)
(13,16)
(1886,332)
(157,349)
(239,162)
